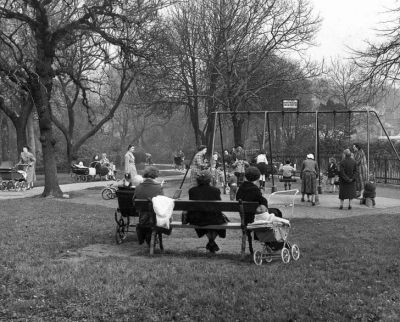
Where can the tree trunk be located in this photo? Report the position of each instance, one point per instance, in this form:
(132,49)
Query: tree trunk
(47,140)
(237,130)
(5,140)
(30,133)
(21,136)
(41,87)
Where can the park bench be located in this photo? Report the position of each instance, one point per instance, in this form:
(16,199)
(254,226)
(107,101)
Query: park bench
(130,207)
(203,205)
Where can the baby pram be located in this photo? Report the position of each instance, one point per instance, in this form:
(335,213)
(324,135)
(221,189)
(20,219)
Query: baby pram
(82,173)
(271,233)
(13,178)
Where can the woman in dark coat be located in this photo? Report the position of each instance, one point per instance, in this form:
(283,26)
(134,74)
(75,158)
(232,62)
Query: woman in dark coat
(248,191)
(347,178)
(203,191)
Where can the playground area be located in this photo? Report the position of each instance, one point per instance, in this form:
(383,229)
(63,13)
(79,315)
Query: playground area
(387,200)
(61,262)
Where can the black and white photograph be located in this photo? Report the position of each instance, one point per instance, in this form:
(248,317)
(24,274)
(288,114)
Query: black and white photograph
(199,160)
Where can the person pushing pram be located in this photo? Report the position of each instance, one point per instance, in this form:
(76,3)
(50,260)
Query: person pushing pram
(105,162)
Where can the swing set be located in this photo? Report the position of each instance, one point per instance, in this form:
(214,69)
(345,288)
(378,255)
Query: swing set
(267,126)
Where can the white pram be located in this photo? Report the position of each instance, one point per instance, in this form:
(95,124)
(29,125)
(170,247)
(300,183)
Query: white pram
(271,233)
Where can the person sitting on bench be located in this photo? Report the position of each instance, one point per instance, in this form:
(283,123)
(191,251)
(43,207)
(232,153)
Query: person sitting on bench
(287,173)
(248,191)
(204,191)
(148,189)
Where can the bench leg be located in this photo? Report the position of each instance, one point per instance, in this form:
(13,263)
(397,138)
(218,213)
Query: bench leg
(250,239)
(243,249)
(160,241)
(153,241)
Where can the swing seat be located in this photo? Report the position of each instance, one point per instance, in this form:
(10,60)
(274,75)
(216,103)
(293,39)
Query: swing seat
(281,179)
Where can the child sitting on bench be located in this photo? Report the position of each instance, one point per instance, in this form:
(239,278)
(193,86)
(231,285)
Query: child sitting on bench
(369,192)
(287,173)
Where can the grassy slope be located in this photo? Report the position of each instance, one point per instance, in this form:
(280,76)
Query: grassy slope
(349,269)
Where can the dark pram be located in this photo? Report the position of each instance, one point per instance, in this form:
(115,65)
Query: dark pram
(13,178)
(82,173)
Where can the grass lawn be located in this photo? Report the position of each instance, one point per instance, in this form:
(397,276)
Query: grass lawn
(349,270)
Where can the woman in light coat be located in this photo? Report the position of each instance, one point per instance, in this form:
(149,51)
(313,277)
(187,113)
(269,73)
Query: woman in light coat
(308,174)
(130,167)
(29,159)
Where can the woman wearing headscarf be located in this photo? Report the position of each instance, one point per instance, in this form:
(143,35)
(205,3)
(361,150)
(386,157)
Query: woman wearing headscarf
(362,169)
(347,178)
(197,165)
(308,174)
(204,191)
(148,189)
(130,167)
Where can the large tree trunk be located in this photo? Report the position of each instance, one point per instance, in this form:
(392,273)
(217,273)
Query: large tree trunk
(47,140)
(42,84)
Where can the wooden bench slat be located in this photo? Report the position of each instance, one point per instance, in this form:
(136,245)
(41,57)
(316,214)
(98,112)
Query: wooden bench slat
(229,225)
(201,205)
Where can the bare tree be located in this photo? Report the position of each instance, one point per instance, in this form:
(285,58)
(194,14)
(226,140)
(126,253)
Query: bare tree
(222,45)
(37,30)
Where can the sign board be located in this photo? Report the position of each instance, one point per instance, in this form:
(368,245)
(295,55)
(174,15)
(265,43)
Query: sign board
(290,104)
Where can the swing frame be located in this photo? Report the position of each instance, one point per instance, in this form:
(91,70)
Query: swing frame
(217,116)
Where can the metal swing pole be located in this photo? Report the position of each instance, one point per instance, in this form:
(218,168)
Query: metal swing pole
(368,141)
(273,188)
(317,155)
(213,138)
(222,148)
(265,120)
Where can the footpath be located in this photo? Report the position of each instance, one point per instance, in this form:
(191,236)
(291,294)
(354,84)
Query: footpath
(387,201)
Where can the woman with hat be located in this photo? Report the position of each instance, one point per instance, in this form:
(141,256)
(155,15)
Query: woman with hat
(308,174)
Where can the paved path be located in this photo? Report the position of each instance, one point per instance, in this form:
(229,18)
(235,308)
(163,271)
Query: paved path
(76,186)
(328,207)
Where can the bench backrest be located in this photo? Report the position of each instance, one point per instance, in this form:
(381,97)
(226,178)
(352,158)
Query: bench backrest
(204,205)
(284,200)
(125,202)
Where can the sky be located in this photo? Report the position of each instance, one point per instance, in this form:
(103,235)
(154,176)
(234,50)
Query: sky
(347,23)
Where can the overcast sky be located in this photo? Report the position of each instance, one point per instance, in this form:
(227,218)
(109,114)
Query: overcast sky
(347,22)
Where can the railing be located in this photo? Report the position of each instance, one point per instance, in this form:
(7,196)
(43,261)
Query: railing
(385,170)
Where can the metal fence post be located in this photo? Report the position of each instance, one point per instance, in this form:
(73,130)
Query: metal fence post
(386,169)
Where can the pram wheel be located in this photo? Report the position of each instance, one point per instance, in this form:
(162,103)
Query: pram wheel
(285,254)
(120,233)
(107,194)
(10,185)
(268,254)
(295,250)
(257,257)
